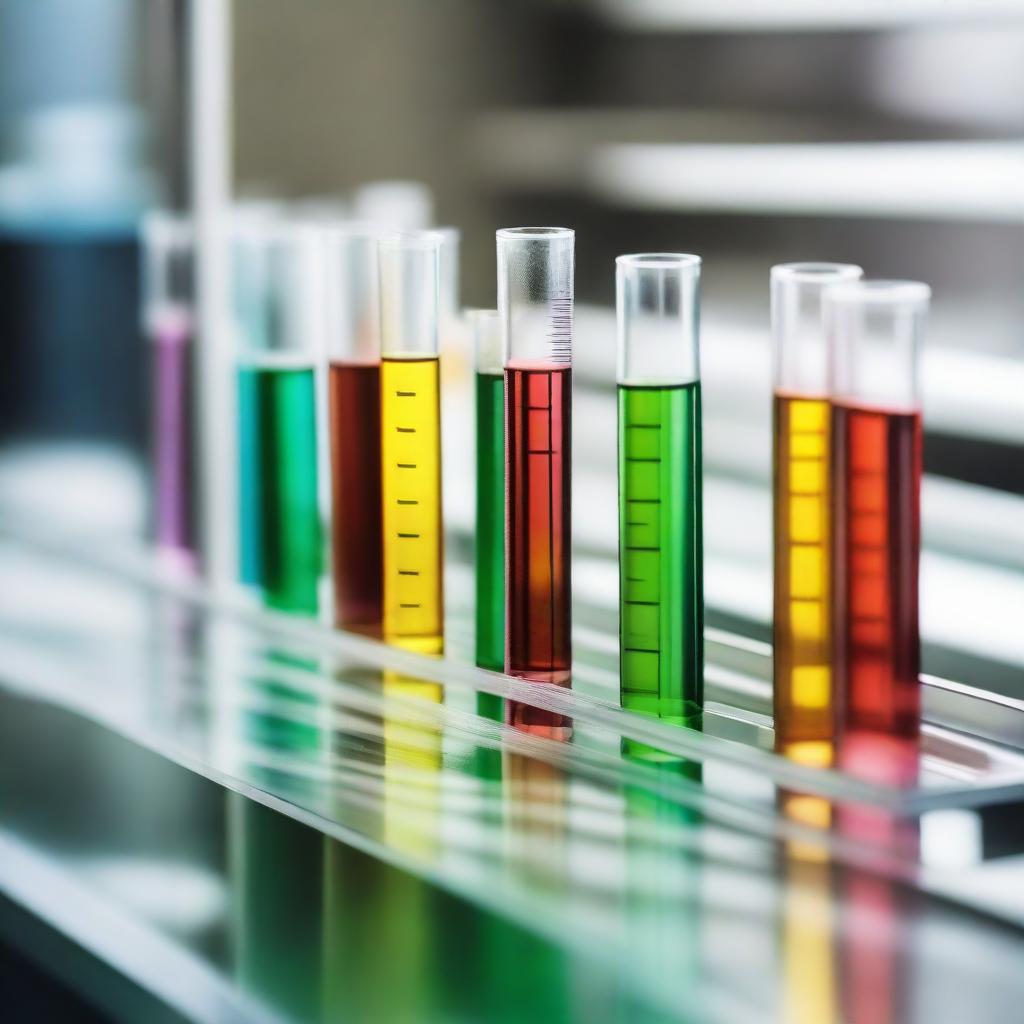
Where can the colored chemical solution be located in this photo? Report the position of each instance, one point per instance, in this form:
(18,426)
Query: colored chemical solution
(280,521)
(661,607)
(250,480)
(354,397)
(874,988)
(490,532)
(802,620)
(412,770)
(174,527)
(538,406)
(808,913)
(876,484)
(411,502)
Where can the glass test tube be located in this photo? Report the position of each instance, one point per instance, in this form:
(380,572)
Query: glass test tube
(535,303)
(661,596)
(490,489)
(413,541)
(801,443)
(168,315)
(352,294)
(278,317)
(875,330)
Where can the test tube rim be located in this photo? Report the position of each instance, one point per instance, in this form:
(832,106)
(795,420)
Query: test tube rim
(817,272)
(424,240)
(660,261)
(880,292)
(535,233)
(172,229)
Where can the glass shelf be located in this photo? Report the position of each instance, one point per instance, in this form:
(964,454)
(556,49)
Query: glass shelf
(356,775)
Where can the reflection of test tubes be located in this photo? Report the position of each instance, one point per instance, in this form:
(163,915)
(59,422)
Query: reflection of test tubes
(661,605)
(352,294)
(535,303)
(169,325)
(875,329)
(411,443)
(802,623)
(279,334)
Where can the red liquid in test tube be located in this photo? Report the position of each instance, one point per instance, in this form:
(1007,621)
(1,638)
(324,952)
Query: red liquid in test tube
(874,333)
(535,303)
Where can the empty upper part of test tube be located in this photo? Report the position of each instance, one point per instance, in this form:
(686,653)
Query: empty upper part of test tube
(535,296)
(277,270)
(351,292)
(875,330)
(448,272)
(800,356)
(409,294)
(167,269)
(485,327)
(394,205)
(657,301)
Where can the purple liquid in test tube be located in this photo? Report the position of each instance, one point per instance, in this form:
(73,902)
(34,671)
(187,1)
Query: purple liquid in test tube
(174,528)
(167,255)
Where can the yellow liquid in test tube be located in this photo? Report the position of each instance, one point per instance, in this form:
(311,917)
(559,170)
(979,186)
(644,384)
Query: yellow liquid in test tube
(411,498)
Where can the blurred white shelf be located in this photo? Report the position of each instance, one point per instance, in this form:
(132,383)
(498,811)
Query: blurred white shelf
(798,15)
(942,181)
(740,162)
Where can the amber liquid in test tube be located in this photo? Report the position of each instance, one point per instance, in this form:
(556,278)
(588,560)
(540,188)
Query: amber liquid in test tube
(353,343)
(535,304)
(802,621)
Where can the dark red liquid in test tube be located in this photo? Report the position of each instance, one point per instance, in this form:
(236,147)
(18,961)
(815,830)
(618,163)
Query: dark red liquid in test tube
(352,319)
(876,494)
(538,431)
(354,392)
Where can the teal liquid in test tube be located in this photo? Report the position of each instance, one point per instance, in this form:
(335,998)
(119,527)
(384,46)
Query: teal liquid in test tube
(661,603)
(490,500)
(280,541)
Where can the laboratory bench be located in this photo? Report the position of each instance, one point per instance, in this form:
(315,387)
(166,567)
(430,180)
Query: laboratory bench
(213,812)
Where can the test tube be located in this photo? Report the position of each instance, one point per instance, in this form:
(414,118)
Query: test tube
(411,443)
(352,294)
(535,304)
(661,594)
(278,322)
(875,330)
(801,444)
(490,489)
(169,324)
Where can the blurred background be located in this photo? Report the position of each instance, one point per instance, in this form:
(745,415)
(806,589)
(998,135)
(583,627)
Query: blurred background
(888,133)
(882,133)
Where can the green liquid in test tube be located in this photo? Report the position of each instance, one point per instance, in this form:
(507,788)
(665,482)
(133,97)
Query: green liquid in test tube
(277,309)
(661,605)
(277,411)
(490,501)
